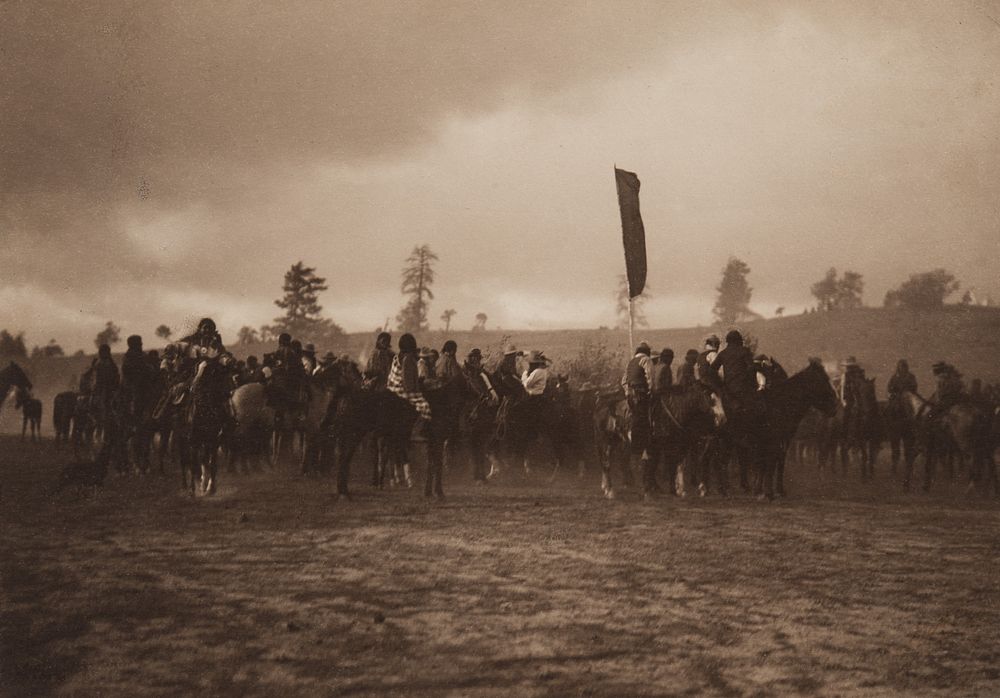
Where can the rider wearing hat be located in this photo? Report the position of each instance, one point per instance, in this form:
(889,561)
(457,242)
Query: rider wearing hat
(309,358)
(703,365)
(505,378)
(950,389)
(536,376)
(478,379)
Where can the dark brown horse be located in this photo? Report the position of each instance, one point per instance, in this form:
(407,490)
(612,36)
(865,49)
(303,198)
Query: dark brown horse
(863,429)
(785,406)
(205,420)
(31,411)
(63,407)
(12,376)
(963,429)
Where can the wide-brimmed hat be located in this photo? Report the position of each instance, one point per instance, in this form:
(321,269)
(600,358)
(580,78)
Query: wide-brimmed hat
(511,349)
(644,348)
(713,340)
(475,353)
(851,361)
(309,348)
(329,357)
(537,357)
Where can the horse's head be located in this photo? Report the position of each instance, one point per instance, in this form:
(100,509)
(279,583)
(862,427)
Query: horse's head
(340,377)
(819,390)
(13,376)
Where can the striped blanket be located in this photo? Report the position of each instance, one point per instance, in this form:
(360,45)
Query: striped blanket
(395,384)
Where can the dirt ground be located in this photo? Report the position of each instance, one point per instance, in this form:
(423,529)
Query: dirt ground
(523,588)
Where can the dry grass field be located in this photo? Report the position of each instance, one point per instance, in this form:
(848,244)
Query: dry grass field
(522,588)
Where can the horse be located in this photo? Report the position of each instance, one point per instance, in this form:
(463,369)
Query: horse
(612,443)
(863,429)
(900,420)
(253,422)
(289,396)
(324,386)
(205,419)
(964,429)
(84,425)
(785,405)
(684,428)
(63,408)
(521,421)
(356,411)
(31,409)
(806,441)
(12,376)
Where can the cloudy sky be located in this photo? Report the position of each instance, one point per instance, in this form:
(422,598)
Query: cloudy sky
(164,161)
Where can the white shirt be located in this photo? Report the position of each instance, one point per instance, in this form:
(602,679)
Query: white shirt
(535,381)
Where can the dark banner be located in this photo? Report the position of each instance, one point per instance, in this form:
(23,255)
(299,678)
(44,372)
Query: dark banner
(633,234)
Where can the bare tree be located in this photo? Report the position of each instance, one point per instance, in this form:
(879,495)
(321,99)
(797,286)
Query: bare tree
(638,303)
(446,317)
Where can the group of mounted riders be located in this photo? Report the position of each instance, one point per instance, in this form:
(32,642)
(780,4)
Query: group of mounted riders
(954,423)
(723,403)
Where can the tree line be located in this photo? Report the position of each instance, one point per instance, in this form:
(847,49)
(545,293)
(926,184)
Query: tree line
(303,315)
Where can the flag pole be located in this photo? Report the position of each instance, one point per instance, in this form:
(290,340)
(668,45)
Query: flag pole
(631,341)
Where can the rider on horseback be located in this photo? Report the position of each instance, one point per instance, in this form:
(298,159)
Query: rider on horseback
(380,362)
(637,381)
(478,379)
(902,381)
(686,371)
(449,368)
(950,389)
(403,379)
(505,378)
(662,376)
(737,380)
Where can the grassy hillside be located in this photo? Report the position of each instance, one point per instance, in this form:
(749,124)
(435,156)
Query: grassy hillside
(966,336)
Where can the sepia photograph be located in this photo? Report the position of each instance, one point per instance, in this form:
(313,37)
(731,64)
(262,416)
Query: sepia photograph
(500,348)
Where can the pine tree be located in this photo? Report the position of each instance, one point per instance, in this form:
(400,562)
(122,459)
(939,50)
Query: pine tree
(733,302)
(303,314)
(418,277)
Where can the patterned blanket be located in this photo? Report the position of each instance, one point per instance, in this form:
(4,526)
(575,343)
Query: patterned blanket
(395,384)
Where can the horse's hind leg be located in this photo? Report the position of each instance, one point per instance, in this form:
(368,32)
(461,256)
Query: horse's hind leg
(604,455)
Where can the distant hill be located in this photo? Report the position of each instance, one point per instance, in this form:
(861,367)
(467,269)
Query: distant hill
(969,337)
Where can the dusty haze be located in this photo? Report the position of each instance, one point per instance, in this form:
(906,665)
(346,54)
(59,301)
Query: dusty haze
(167,161)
